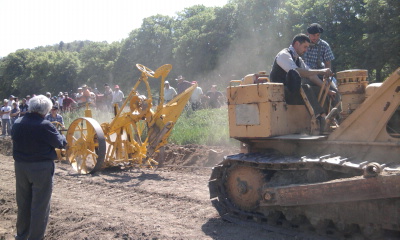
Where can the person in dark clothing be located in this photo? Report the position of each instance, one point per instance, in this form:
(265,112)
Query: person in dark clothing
(214,97)
(34,143)
(290,69)
(14,114)
(182,84)
(108,96)
(23,107)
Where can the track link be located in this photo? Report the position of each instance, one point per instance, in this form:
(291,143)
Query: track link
(299,221)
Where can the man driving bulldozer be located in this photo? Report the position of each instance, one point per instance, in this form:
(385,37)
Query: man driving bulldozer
(302,83)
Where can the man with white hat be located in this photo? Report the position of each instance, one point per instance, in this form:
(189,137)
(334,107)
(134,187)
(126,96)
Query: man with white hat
(118,96)
(169,92)
(28,97)
(11,100)
(78,96)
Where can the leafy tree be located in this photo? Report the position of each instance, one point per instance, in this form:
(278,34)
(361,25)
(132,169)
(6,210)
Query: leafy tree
(193,50)
(97,61)
(27,72)
(151,46)
(13,70)
(64,69)
(381,39)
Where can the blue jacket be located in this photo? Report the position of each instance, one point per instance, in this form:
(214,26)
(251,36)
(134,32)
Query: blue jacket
(35,138)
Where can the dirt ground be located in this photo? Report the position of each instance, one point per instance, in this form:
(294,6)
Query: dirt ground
(128,203)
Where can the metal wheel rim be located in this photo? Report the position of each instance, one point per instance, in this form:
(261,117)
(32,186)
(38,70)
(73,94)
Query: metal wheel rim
(86,145)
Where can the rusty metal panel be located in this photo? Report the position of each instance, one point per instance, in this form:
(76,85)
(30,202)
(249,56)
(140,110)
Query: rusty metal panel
(267,119)
(256,93)
(247,114)
(338,191)
(237,128)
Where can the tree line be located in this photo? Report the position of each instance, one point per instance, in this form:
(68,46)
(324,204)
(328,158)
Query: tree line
(213,45)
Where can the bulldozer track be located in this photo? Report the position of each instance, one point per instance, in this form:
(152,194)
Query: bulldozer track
(286,220)
(194,167)
(246,219)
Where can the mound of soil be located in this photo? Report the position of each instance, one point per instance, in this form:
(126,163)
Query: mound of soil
(195,155)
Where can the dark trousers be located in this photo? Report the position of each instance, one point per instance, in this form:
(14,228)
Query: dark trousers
(196,106)
(295,98)
(34,185)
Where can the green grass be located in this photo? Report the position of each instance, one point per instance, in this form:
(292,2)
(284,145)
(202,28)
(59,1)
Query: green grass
(203,127)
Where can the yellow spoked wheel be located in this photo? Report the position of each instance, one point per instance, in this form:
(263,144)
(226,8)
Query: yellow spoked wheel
(86,145)
(58,125)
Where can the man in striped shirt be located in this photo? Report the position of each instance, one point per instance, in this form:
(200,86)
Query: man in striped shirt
(319,55)
(53,116)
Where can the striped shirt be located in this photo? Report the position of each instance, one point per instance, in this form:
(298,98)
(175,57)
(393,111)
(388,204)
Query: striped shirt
(58,118)
(311,56)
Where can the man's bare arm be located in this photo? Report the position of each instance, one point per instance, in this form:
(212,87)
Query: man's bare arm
(310,72)
(312,75)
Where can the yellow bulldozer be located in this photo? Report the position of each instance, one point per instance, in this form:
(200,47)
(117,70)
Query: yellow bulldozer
(133,136)
(343,183)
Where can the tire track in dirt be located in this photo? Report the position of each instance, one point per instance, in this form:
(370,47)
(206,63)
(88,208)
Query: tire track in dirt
(161,197)
(127,204)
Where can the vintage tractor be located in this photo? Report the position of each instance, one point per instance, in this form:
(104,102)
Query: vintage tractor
(134,135)
(343,183)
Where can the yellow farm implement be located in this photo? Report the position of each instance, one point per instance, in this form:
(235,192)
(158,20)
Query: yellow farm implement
(133,136)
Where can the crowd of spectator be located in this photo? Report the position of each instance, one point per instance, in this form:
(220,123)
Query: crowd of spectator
(211,99)
(14,107)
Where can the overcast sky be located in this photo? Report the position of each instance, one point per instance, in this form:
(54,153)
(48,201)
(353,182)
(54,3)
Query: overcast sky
(33,23)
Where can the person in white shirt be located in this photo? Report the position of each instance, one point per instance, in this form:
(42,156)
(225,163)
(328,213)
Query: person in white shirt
(78,95)
(195,99)
(28,97)
(60,100)
(5,119)
(169,92)
(118,96)
(11,101)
